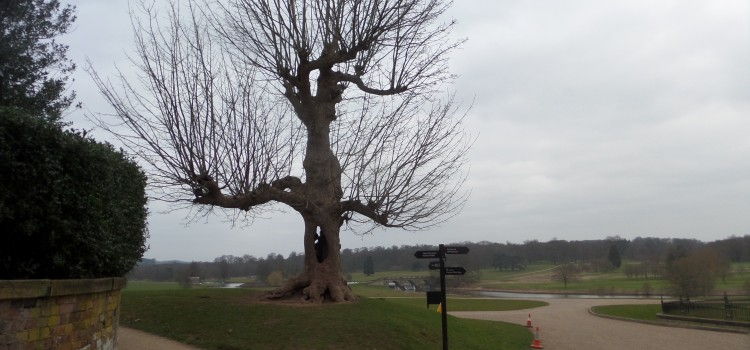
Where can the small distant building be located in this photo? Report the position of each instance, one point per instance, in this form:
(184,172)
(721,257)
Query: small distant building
(194,280)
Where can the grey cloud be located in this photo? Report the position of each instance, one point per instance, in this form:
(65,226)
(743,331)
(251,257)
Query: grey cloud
(593,118)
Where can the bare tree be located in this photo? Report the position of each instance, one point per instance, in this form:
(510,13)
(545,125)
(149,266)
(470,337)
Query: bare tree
(695,274)
(566,273)
(235,96)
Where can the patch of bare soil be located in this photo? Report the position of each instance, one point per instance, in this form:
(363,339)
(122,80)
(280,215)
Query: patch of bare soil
(133,339)
(533,277)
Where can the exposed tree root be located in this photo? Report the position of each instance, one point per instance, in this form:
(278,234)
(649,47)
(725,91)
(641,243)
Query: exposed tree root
(317,290)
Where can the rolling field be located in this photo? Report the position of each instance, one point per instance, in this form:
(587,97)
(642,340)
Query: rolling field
(603,283)
(537,277)
(150,286)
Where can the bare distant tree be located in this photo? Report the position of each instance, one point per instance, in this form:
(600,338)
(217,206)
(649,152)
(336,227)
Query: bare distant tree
(565,273)
(329,107)
(695,274)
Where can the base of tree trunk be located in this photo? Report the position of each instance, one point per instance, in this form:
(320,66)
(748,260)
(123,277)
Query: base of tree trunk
(315,290)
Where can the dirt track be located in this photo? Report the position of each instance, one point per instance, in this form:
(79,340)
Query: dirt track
(566,325)
(133,339)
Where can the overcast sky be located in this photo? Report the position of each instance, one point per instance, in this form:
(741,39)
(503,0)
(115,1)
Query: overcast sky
(593,118)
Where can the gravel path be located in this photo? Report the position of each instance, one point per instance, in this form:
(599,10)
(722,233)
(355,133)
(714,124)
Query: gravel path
(133,339)
(566,325)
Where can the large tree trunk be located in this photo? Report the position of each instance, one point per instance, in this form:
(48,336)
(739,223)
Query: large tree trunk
(322,279)
(323,264)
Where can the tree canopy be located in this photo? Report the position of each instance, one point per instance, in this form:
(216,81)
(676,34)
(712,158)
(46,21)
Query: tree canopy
(33,64)
(334,109)
(70,207)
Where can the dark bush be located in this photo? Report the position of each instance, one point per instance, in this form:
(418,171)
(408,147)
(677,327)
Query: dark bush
(70,207)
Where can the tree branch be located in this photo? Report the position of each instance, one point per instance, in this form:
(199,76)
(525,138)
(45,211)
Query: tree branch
(207,191)
(205,125)
(368,210)
(356,80)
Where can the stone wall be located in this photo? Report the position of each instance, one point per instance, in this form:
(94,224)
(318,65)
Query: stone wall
(59,314)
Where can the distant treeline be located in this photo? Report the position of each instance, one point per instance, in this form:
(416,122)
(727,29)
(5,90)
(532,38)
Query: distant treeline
(654,251)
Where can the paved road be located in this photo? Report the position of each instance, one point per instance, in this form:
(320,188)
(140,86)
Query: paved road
(566,325)
(133,339)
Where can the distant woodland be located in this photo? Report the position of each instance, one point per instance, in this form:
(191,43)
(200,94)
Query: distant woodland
(640,256)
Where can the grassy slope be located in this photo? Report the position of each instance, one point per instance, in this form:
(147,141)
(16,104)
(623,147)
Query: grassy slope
(611,282)
(594,285)
(361,277)
(150,285)
(373,291)
(615,281)
(227,319)
(492,275)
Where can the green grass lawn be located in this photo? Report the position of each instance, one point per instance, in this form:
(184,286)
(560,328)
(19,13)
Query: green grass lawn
(590,283)
(230,319)
(151,285)
(493,275)
(486,274)
(595,285)
(373,291)
(361,277)
(638,312)
(239,280)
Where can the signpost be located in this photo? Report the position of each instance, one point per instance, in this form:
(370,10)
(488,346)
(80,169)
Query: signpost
(455,271)
(438,297)
(426,254)
(456,250)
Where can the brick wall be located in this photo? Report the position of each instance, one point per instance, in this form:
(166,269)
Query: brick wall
(59,314)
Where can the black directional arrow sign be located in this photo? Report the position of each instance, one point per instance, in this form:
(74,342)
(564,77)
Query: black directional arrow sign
(455,270)
(434,265)
(426,254)
(456,250)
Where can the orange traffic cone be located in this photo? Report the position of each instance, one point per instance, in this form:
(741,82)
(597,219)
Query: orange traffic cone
(528,322)
(537,343)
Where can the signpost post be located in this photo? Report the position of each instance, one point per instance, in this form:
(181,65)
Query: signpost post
(443,314)
(435,297)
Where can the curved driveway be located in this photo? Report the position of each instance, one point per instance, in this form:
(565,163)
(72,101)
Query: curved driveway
(566,325)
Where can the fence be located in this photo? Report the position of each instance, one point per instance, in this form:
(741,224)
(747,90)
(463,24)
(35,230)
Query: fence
(725,310)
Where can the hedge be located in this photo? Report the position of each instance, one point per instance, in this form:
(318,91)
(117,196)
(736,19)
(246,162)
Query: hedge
(70,207)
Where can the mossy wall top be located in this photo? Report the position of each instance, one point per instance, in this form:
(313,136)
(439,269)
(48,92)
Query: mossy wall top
(60,314)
